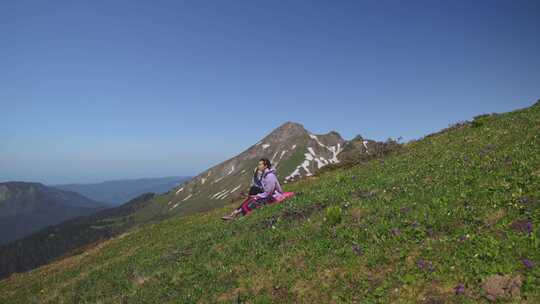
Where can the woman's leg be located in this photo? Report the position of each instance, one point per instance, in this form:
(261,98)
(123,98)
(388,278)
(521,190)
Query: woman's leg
(236,211)
(242,204)
(254,190)
(248,205)
(255,203)
(245,209)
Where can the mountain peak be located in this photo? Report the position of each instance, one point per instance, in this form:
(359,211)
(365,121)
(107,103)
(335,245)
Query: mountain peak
(291,125)
(288,129)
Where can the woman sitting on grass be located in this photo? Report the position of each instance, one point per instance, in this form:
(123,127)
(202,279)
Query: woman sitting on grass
(271,189)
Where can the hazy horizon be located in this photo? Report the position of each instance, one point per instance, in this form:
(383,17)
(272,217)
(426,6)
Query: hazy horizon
(93,181)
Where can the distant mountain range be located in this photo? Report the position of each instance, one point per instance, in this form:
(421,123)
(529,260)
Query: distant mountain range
(69,236)
(27,207)
(117,192)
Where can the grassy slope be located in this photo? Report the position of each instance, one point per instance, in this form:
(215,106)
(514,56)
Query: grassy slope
(473,180)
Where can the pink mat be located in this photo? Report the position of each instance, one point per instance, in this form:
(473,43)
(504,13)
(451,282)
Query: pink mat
(282,197)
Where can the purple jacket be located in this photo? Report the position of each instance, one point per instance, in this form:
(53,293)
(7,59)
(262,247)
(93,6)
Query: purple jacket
(270,184)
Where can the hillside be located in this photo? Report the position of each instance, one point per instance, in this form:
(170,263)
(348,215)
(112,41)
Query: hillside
(117,192)
(70,237)
(28,207)
(211,189)
(432,223)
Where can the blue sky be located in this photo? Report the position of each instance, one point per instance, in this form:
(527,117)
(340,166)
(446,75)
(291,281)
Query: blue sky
(97,90)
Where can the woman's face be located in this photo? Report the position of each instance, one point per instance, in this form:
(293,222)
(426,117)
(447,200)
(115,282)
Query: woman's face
(261,166)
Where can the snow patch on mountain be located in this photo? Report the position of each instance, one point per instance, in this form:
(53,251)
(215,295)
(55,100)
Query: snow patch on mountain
(321,162)
(174,206)
(223,195)
(218,179)
(218,193)
(236,188)
(274,156)
(335,151)
(312,156)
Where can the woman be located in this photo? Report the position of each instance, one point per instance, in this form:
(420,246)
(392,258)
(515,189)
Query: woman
(271,189)
(256,185)
(255,188)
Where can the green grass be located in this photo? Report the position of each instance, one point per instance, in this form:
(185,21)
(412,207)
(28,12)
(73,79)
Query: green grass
(411,227)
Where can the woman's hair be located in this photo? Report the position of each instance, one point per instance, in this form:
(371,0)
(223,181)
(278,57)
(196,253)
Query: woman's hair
(266,162)
(256,174)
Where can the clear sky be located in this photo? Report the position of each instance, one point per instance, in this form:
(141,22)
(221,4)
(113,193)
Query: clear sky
(97,90)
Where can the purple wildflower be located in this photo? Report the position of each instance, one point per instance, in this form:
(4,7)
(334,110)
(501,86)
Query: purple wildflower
(528,227)
(463,238)
(357,249)
(425,265)
(528,263)
(524,226)
(459,289)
